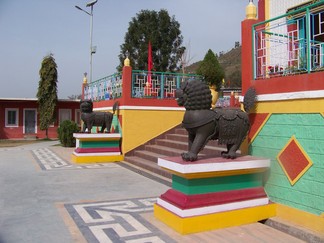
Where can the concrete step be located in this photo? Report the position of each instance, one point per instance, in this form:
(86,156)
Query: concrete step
(30,137)
(181,131)
(209,149)
(184,138)
(148,155)
(176,145)
(148,165)
(177,137)
(164,150)
(169,145)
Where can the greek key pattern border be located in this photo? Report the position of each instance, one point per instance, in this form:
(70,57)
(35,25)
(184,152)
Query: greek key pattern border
(48,160)
(116,221)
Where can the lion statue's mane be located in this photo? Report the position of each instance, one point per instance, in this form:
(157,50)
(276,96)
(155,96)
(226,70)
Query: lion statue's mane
(198,96)
(229,125)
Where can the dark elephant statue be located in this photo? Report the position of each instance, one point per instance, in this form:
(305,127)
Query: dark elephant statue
(91,118)
(229,125)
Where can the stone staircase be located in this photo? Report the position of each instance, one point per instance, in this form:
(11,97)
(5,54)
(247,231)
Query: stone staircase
(170,144)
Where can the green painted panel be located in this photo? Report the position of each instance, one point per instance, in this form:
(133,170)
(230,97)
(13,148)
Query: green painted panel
(116,124)
(216,184)
(99,144)
(308,192)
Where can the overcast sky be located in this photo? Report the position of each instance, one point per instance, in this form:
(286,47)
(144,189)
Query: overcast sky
(31,29)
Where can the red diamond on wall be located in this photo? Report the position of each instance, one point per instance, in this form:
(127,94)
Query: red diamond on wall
(294,160)
(257,121)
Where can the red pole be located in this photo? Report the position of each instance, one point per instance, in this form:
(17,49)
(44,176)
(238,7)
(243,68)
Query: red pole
(149,62)
(232,100)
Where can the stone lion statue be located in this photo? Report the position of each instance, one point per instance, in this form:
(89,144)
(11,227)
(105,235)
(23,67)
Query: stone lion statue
(91,118)
(229,125)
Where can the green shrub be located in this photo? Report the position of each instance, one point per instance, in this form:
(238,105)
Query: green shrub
(65,132)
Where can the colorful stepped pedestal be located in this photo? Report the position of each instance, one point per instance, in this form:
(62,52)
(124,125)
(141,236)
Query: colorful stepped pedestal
(214,193)
(97,148)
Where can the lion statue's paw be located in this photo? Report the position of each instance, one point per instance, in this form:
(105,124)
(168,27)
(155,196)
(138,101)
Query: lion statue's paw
(189,156)
(228,155)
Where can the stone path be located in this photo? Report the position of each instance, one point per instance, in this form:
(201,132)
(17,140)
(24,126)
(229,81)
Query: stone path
(46,198)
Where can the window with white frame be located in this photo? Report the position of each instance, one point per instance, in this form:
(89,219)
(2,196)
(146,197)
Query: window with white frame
(11,117)
(64,114)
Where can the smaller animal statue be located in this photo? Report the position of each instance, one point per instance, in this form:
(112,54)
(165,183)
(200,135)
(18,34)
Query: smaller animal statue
(229,125)
(91,118)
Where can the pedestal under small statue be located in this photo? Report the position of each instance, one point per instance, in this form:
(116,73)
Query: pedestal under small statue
(97,147)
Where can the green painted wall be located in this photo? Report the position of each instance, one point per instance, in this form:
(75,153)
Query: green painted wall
(308,192)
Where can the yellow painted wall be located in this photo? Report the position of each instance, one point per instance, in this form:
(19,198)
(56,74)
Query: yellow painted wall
(140,126)
(291,106)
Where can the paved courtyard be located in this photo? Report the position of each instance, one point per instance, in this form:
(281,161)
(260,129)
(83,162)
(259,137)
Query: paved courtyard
(46,198)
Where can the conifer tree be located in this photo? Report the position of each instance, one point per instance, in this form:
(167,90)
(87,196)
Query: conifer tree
(211,70)
(47,92)
(165,36)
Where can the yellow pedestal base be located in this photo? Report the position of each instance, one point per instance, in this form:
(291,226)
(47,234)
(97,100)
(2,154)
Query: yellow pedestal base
(96,159)
(214,221)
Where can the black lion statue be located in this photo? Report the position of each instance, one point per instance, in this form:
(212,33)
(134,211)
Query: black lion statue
(91,118)
(229,125)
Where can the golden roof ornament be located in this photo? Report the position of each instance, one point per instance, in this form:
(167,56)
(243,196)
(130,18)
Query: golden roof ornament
(127,61)
(251,11)
(85,80)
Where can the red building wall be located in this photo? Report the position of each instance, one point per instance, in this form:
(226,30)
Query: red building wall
(21,105)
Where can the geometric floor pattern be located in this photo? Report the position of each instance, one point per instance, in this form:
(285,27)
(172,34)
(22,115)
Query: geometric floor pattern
(48,160)
(116,221)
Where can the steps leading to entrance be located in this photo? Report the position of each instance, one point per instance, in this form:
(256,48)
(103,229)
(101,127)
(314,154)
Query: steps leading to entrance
(172,143)
(30,137)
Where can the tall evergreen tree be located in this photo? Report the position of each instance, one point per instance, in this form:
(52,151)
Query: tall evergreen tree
(165,36)
(47,92)
(211,70)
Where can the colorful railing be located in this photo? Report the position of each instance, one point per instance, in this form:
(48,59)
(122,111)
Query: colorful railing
(156,85)
(291,43)
(106,88)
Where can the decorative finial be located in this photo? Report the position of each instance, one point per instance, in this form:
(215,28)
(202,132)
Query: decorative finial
(127,61)
(251,11)
(85,80)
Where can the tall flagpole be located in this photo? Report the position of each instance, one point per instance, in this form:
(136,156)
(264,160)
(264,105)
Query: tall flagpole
(149,63)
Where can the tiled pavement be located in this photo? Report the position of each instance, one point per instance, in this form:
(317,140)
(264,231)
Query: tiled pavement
(64,202)
(48,160)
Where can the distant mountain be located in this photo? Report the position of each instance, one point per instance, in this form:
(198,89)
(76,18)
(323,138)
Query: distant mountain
(231,63)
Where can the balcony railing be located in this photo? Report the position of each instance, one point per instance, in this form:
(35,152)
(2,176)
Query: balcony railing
(151,85)
(157,85)
(290,44)
(107,88)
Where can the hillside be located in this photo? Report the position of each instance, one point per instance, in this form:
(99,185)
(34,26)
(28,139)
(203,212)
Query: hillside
(231,63)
